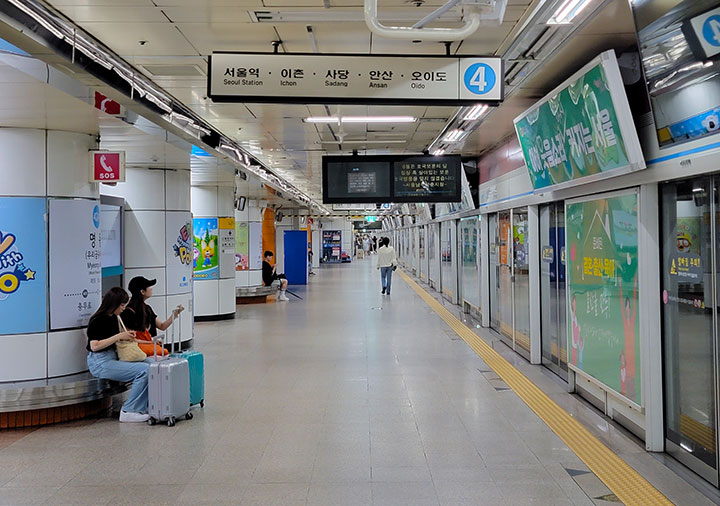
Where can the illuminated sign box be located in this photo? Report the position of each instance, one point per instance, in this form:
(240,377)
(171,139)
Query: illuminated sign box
(378,79)
(582,131)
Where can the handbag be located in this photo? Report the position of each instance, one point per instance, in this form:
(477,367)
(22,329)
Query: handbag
(128,351)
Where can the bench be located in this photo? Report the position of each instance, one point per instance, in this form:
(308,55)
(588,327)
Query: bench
(253,294)
(40,402)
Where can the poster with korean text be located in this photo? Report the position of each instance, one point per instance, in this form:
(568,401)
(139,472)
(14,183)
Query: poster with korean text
(75,262)
(602,278)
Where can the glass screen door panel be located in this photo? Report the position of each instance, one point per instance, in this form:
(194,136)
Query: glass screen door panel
(521,278)
(421,252)
(448,273)
(433,261)
(689,327)
(504,287)
(494,256)
(470,273)
(552,288)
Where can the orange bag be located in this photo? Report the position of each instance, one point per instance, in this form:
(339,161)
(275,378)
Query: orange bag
(149,348)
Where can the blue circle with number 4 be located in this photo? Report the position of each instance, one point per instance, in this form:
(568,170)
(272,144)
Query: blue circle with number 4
(479,78)
(711,30)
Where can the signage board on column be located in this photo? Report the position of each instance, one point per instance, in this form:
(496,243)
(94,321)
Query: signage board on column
(602,277)
(179,252)
(107,166)
(242,246)
(581,131)
(352,78)
(226,239)
(23,265)
(256,251)
(75,262)
(205,248)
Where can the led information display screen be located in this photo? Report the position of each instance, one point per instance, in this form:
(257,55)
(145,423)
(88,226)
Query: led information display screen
(396,178)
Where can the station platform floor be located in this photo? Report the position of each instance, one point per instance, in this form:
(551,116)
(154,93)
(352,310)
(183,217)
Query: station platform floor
(345,398)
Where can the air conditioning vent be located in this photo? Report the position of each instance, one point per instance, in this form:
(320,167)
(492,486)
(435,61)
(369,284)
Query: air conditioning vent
(174,70)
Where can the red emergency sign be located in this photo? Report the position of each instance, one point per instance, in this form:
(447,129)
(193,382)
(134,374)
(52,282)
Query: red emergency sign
(107,166)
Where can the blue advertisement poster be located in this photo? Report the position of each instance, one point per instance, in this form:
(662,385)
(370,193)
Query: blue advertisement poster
(23,265)
(205,248)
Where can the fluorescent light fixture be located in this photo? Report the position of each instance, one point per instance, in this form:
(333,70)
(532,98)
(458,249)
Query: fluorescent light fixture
(322,119)
(476,112)
(454,135)
(378,119)
(361,119)
(438,152)
(696,190)
(567,11)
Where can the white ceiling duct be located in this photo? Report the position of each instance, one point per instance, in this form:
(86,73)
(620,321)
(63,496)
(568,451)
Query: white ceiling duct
(476,12)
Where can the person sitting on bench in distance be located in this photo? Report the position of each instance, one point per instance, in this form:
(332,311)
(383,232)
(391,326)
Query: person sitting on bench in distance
(272,278)
(103,332)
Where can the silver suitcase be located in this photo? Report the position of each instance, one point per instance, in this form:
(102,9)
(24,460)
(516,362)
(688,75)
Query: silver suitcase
(168,390)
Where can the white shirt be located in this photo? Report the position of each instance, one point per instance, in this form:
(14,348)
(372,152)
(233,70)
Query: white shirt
(386,256)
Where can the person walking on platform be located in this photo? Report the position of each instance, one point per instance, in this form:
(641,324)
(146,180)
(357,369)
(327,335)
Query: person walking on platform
(387,263)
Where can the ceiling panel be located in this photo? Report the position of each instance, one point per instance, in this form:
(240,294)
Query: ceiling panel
(198,12)
(161,39)
(209,37)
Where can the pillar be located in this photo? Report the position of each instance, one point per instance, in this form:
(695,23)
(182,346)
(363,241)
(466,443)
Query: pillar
(50,271)
(157,230)
(249,247)
(214,254)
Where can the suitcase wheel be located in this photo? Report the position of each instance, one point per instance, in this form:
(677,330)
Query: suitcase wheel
(171,421)
(202,403)
(188,416)
(151,421)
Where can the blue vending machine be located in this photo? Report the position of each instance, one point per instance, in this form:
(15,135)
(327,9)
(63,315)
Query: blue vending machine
(296,256)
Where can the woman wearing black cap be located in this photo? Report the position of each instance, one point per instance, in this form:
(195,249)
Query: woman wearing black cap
(139,316)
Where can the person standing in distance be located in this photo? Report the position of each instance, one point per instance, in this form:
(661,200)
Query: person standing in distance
(387,263)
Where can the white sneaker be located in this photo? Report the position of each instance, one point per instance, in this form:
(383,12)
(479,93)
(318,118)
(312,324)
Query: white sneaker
(133,417)
(283,297)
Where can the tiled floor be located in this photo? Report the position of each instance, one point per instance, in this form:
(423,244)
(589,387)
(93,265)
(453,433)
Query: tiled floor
(344,398)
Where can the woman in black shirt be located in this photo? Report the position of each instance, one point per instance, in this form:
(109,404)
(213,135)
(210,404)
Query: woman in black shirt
(139,316)
(103,332)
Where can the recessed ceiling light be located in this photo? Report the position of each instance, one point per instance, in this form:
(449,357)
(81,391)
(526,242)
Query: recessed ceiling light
(454,135)
(438,152)
(567,11)
(378,119)
(476,112)
(322,119)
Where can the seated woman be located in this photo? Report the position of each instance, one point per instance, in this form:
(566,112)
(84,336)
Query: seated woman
(104,330)
(140,317)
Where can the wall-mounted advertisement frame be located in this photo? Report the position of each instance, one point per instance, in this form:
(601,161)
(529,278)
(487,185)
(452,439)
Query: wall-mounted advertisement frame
(179,252)
(603,297)
(582,131)
(206,256)
(23,265)
(75,262)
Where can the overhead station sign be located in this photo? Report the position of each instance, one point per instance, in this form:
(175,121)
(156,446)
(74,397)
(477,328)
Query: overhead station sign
(317,78)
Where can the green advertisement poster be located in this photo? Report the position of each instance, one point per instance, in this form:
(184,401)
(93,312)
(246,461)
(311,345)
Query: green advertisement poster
(602,270)
(574,133)
(242,246)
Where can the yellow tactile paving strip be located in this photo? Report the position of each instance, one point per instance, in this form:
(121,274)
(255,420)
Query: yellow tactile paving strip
(631,488)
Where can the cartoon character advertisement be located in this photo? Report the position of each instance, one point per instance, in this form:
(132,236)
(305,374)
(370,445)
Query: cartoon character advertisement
(205,248)
(179,252)
(23,261)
